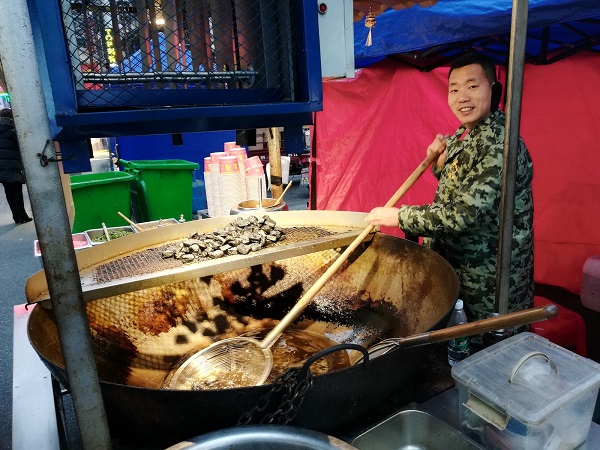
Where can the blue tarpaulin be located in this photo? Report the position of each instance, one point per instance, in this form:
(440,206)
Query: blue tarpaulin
(447,22)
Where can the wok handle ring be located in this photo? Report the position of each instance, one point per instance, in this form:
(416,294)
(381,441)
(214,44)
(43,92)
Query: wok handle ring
(335,348)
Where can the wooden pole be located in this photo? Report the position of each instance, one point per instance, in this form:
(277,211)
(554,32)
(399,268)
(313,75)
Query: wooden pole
(514,92)
(197,30)
(275,161)
(114,16)
(154,37)
(170,30)
(222,30)
(144,33)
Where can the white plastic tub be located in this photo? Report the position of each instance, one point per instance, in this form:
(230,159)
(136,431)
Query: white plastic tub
(590,283)
(527,393)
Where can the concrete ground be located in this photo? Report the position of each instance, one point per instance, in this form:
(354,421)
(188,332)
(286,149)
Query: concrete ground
(17,264)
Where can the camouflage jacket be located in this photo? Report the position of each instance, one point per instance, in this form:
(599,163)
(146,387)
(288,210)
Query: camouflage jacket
(462,223)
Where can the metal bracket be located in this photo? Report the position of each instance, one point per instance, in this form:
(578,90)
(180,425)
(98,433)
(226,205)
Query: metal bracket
(44,160)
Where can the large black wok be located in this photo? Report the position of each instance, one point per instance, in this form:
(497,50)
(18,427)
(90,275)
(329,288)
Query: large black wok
(391,288)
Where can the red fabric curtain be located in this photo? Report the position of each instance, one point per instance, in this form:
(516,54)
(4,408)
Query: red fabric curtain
(374,131)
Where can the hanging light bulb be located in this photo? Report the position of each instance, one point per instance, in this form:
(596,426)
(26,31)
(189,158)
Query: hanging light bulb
(370,23)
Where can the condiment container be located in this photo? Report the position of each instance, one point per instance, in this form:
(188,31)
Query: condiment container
(526,392)
(80,241)
(96,236)
(145,226)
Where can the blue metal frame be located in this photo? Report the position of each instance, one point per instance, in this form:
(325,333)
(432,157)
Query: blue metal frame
(226,111)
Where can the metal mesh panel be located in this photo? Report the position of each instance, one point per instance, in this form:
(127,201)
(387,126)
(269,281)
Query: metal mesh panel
(129,47)
(150,260)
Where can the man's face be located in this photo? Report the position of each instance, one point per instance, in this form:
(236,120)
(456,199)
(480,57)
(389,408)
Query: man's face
(469,94)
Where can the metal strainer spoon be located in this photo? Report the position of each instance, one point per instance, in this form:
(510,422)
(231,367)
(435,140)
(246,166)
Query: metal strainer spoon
(244,361)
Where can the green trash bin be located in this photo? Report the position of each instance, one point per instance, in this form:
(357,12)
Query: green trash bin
(161,189)
(98,197)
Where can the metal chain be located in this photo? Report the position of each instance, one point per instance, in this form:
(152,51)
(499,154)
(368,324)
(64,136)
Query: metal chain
(294,383)
(294,386)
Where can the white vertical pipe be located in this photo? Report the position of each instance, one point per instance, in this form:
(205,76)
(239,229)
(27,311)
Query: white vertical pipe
(51,221)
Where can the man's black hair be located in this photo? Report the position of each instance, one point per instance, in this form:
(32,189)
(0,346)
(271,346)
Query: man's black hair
(489,69)
(487,64)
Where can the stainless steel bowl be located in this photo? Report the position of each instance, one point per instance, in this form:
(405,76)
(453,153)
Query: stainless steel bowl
(253,207)
(412,429)
(263,437)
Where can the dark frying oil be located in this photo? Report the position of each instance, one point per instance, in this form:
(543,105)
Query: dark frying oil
(296,346)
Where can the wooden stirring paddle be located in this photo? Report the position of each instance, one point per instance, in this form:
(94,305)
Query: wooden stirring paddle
(130,222)
(282,194)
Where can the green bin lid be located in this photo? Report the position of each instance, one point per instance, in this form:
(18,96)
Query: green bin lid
(95,179)
(168,164)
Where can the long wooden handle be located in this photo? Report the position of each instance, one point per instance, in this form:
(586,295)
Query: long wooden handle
(315,288)
(130,222)
(509,320)
(421,168)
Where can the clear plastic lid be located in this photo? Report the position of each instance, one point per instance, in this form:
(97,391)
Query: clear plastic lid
(527,376)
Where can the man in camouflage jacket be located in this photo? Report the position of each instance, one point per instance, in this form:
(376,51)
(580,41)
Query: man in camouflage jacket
(462,223)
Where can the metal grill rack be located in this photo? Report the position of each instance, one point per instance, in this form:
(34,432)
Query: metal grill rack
(129,47)
(135,262)
(150,260)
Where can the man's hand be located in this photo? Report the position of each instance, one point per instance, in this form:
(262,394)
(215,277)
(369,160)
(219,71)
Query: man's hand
(382,216)
(438,147)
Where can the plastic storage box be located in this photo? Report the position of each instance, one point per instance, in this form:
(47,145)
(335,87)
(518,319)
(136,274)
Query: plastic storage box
(98,197)
(161,189)
(527,393)
(590,283)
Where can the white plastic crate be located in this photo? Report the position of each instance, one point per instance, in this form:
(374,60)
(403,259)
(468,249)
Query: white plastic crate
(527,393)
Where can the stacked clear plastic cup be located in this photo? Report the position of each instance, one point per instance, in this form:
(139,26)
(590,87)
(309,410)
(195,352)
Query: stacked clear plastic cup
(255,172)
(208,187)
(242,156)
(215,170)
(232,192)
